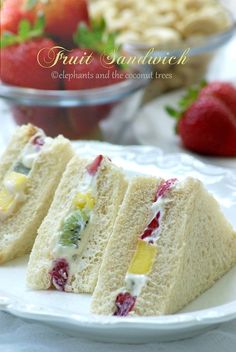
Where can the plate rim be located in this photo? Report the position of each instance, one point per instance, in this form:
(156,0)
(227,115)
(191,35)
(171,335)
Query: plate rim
(209,316)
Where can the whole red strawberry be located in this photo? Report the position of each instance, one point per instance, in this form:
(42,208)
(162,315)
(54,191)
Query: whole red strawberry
(89,68)
(19,64)
(224,91)
(90,74)
(12,12)
(19,67)
(61,16)
(209,127)
(207,120)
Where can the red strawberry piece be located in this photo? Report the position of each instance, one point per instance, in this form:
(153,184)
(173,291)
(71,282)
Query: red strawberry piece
(124,304)
(165,187)
(147,233)
(93,167)
(19,66)
(224,91)
(12,12)
(153,224)
(63,16)
(59,273)
(209,127)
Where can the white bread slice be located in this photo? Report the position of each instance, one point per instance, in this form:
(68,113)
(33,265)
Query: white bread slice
(18,231)
(197,247)
(129,224)
(21,136)
(110,190)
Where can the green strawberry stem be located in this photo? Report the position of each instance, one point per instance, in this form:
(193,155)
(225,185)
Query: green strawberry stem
(26,31)
(30,4)
(185,102)
(97,39)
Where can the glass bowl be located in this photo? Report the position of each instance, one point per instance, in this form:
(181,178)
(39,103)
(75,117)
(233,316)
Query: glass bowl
(101,113)
(202,52)
(106,113)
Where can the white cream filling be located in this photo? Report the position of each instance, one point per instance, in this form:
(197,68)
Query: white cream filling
(87,183)
(65,252)
(159,206)
(71,253)
(135,282)
(31,151)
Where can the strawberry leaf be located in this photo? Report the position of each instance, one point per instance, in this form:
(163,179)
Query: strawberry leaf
(172,112)
(186,101)
(26,31)
(8,39)
(84,39)
(38,28)
(30,4)
(99,25)
(96,38)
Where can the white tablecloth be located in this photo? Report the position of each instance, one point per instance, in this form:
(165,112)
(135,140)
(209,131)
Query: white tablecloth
(17,335)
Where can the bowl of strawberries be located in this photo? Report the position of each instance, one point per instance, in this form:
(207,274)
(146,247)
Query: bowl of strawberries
(59,71)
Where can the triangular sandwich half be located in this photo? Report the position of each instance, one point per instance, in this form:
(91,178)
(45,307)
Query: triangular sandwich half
(170,243)
(72,238)
(30,171)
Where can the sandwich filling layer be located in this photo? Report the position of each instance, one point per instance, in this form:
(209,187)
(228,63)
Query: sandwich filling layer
(69,241)
(147,249)
(15,183)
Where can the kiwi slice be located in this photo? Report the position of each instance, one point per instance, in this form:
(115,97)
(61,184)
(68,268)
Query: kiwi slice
(72,227)
(21,169)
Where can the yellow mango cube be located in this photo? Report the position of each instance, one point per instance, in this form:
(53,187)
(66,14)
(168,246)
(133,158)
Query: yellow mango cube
(82,201)
(15,182)
(6,200)
(143,258)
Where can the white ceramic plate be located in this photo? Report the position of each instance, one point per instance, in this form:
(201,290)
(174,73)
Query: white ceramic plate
(70,312)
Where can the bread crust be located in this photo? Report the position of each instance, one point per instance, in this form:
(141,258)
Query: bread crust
(130,223)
